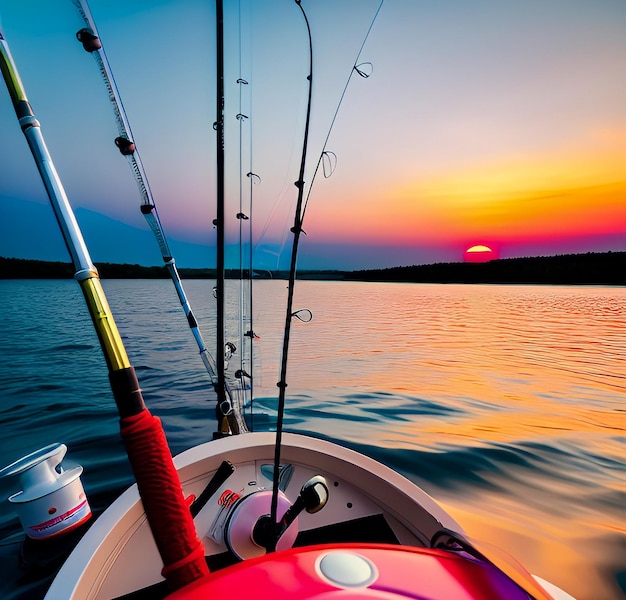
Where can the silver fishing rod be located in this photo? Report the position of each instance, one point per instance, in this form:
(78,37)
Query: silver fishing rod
(157,479)
(30,127)
(92,43)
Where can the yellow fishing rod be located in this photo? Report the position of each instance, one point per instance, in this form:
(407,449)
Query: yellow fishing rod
(148,452)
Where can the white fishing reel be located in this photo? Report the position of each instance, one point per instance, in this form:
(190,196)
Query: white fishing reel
(52,501)
(245,525)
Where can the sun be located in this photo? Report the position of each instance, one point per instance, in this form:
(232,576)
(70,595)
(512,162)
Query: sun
(479,253)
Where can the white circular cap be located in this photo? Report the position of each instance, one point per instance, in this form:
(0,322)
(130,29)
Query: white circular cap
(346,569)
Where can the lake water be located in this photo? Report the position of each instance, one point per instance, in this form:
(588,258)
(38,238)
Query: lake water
(505,403)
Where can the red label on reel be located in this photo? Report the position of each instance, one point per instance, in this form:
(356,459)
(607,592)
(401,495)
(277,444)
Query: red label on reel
(228,498)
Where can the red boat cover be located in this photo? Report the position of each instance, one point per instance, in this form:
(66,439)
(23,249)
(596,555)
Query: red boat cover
(350,571)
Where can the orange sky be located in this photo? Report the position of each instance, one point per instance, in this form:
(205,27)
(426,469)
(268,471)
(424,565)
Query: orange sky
(568,191)
(501,124)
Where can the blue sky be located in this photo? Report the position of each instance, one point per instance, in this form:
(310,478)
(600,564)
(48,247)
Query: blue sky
(484,122)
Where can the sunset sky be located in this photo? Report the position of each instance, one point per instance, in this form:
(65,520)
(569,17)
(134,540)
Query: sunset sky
(485,122)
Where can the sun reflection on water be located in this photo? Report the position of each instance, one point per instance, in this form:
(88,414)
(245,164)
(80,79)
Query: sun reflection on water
(505,402)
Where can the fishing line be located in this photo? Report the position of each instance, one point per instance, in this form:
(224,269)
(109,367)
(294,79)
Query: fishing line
(278,219)
(359,69)
(282,219)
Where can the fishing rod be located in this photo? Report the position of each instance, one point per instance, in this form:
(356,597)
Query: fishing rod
(301,203)
(250,334)
(92,43)
(296,230)
(219,222)
(243,216)
(247,336)
(244,373)
(180,548)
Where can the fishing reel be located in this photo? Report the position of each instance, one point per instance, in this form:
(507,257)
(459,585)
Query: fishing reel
(245,524)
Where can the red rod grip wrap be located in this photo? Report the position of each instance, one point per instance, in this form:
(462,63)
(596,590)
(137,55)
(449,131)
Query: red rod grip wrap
(163,500)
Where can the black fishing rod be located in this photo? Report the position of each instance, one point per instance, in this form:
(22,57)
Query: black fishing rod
(300,209)
(297,231)
(92,43)
(219,222)
(157,479)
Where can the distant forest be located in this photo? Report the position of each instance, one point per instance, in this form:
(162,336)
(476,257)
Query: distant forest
(593,268)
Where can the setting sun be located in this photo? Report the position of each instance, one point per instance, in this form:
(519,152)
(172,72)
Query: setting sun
(479,253)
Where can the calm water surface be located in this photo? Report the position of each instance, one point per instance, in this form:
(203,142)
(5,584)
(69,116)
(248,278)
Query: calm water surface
(506,403)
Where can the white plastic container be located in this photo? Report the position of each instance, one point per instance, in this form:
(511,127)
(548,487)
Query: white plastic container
(52,501)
